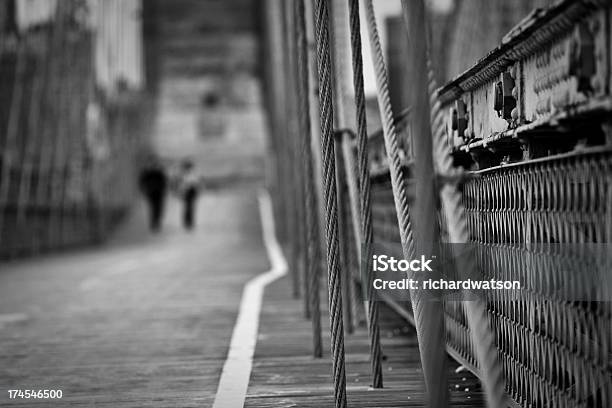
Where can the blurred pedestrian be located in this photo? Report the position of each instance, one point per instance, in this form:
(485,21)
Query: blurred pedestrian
(153,184)
(189,185)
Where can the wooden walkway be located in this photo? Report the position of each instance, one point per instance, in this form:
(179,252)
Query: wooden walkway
(143,322)
(285,375)
(147,322)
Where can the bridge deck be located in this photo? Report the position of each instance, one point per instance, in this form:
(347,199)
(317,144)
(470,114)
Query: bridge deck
(140,322)
(285,375)
(147,322)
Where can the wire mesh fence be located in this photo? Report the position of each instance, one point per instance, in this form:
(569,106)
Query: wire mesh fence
(555,345)
(71,121)
(534,221)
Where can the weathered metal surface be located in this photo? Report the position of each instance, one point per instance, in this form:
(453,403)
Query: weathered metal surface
(537,128)
(554,350)
(553,66)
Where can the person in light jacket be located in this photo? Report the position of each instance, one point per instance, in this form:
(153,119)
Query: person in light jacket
(189,186)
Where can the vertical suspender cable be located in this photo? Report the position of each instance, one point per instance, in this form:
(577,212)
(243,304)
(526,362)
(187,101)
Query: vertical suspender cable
(58,172)
(269,53)
(428,315)
(278,83)
(311,207)
(86,215)
(363,179)
(47,149)
(482,336)
(101,69)
(331,205)
(75,161)
(351,179)
(35,126)
(344,225)
(339,49)
(278,112)
(400,193)
(291,197)
(12,133)
(298,144)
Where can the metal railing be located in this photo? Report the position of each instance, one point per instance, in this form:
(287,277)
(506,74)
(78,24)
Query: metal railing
(66,142)
(539,221)
(555,346)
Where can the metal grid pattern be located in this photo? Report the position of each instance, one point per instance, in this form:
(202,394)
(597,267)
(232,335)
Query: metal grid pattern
(556,351)
(554,348)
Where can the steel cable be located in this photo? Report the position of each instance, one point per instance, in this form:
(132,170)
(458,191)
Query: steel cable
(363,180)
(58,175)
(351,180)
(53,103)
(274,98)
(324,68)
(7,156)
(297,170)
(291,193)
(429,325)
(312,239)
(342,119)
(400,192)
(299,162)
(482,336)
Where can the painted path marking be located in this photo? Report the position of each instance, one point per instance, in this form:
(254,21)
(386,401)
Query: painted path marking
(234,381)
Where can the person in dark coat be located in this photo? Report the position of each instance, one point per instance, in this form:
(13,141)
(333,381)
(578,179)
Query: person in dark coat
(154,183)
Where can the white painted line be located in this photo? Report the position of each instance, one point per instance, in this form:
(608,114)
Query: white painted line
(236,372)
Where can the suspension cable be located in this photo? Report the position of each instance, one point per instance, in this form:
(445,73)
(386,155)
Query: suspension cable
(482,336)
(12,132)
(324,67)
(427,314)
(290,133)
(363,179)
(313,249)
(300,165)
(35,120)
(53,102)
(56,219)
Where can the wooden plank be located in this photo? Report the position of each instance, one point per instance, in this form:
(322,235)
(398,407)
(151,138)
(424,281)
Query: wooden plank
(145,321)
(285,375)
